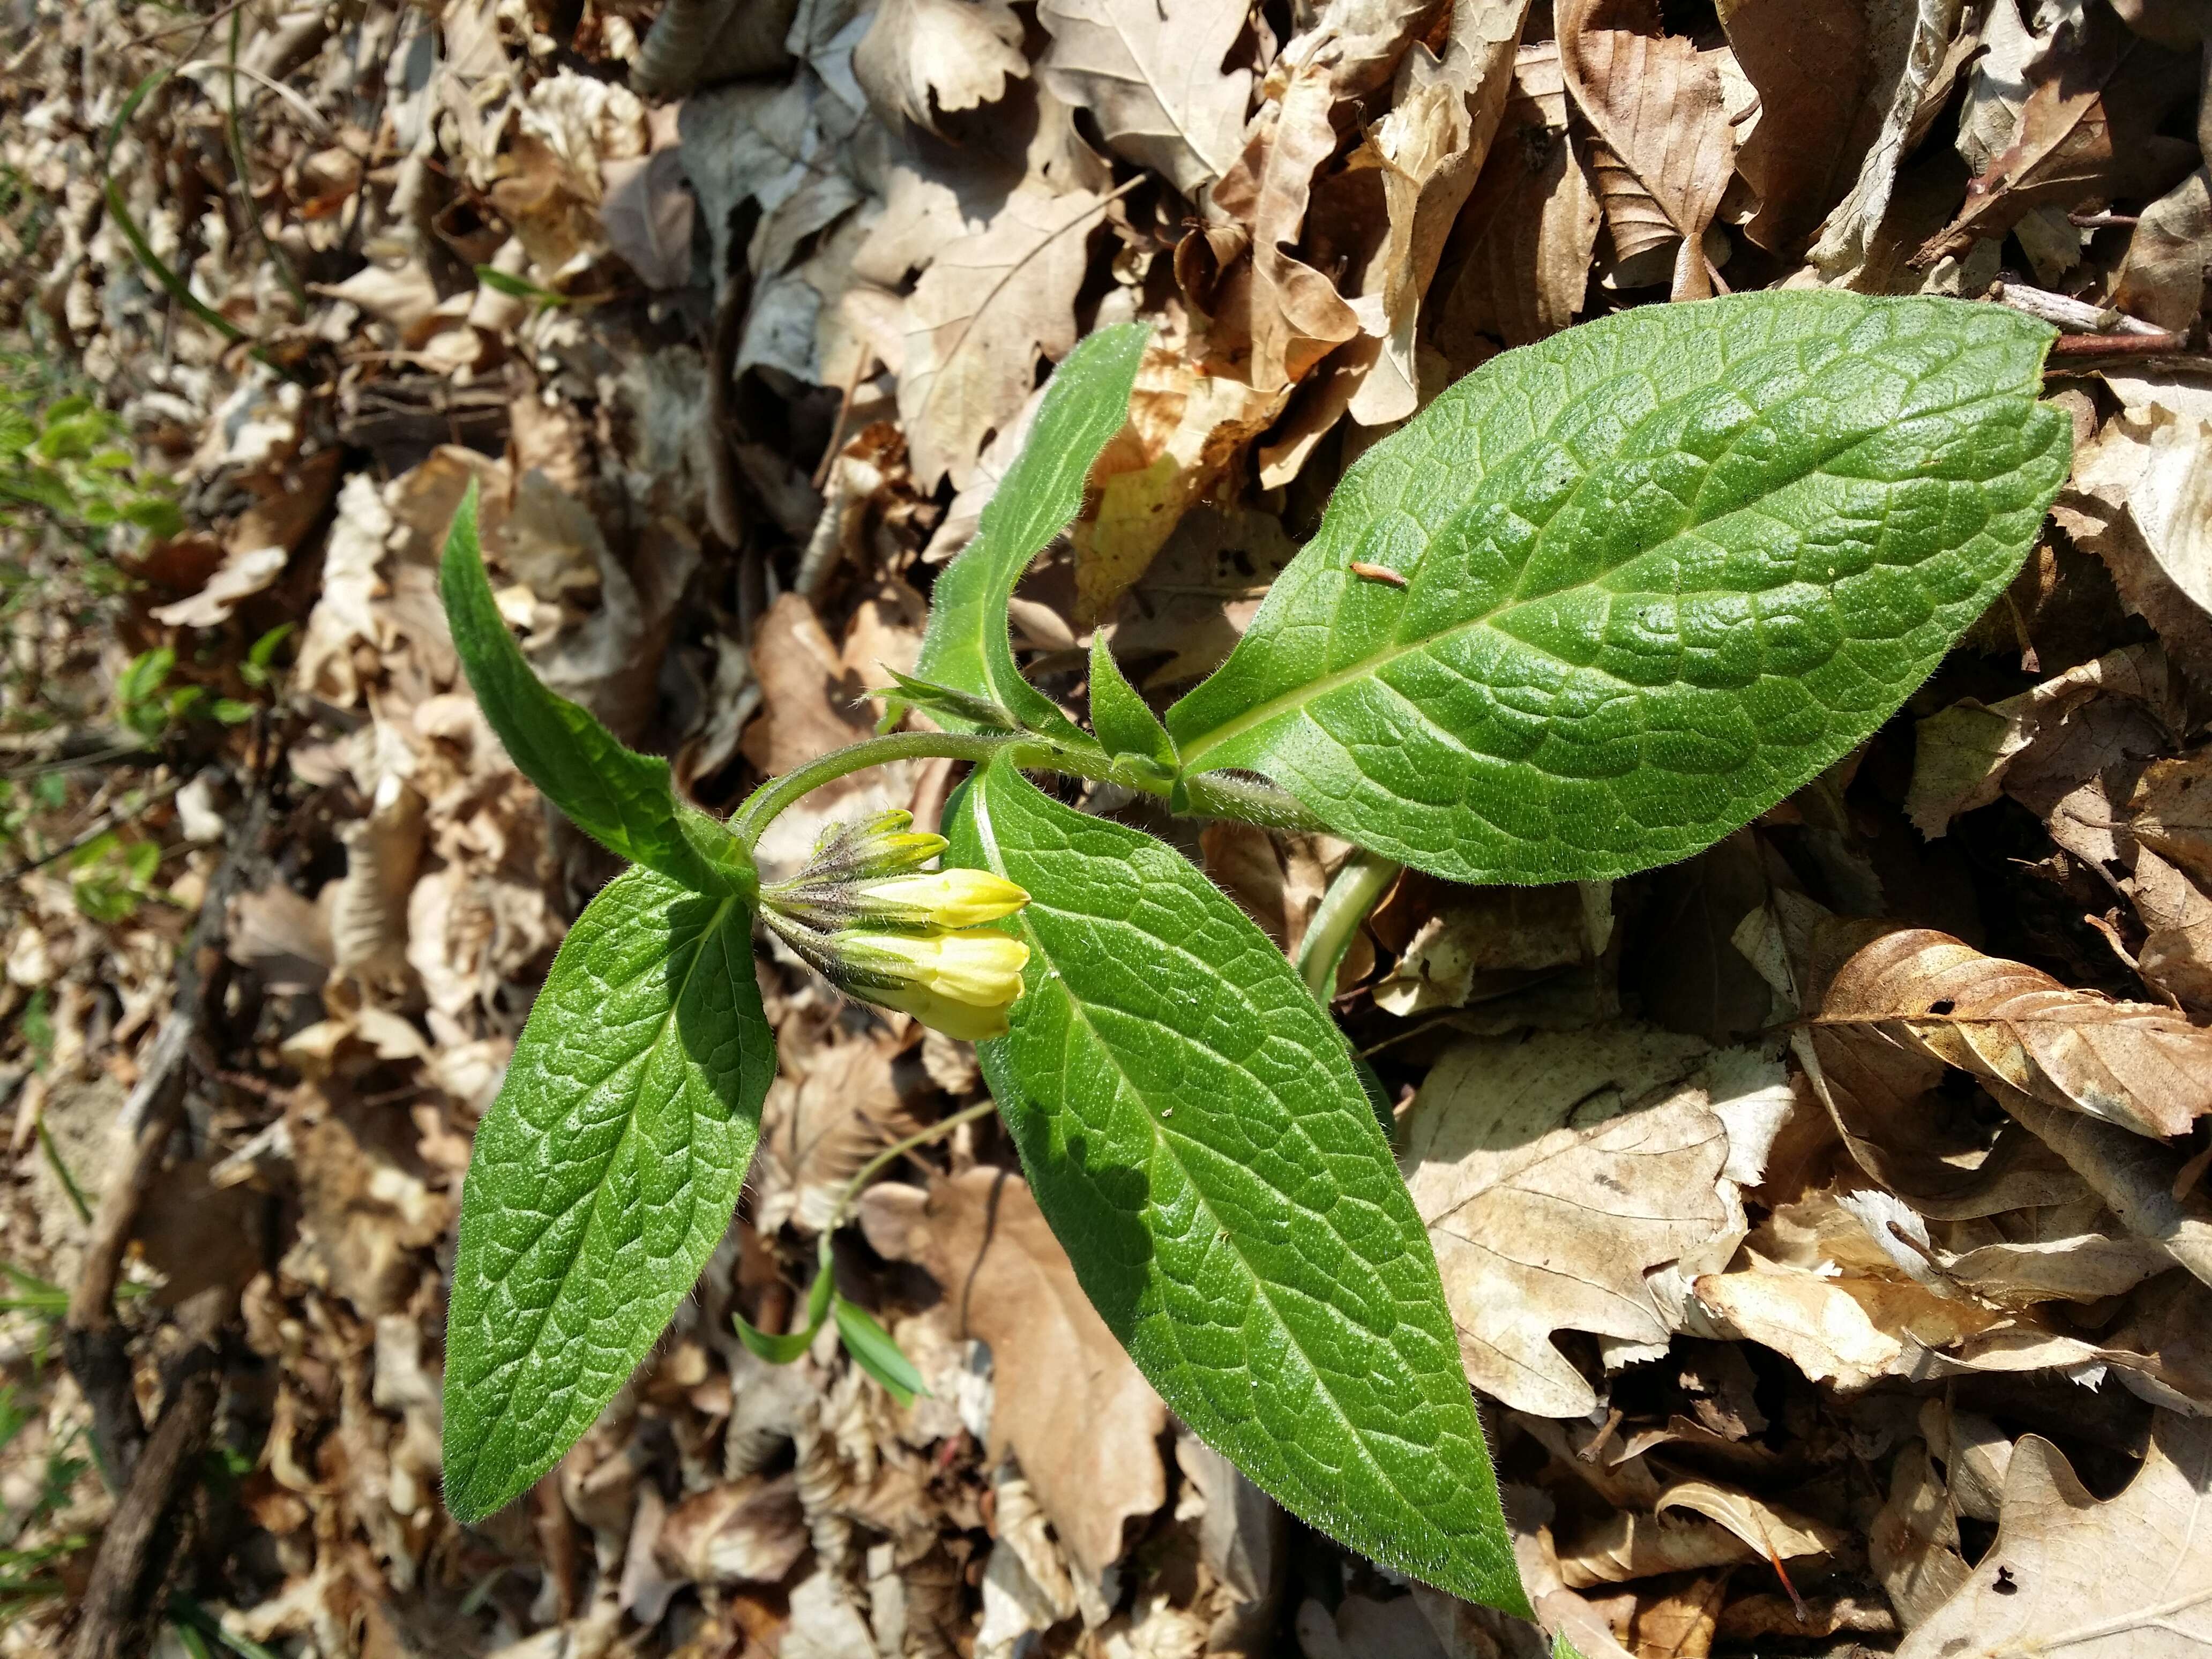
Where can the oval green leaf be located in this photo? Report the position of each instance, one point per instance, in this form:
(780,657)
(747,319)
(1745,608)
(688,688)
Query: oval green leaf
(1659,571)
(1192,1128)
(604,1175)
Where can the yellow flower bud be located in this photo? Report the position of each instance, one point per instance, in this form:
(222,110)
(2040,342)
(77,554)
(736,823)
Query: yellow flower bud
(960,983)
(950,899)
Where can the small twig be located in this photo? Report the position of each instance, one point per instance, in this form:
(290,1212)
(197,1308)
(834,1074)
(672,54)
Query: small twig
(2100,220)
(2077,315)
(2075,346)
(725,515)
(863,360)
(85,838)
(191,23)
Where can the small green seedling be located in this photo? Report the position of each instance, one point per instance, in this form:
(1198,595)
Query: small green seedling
(1642,580)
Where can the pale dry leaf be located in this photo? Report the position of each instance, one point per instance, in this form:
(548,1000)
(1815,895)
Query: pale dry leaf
(245,571)
(988,308)
(1665,150)
(2127,1578)
(1627,1547)
(2070,1253)
(1276,878)
(1680,1621)
(1771,1531)
(1191,607)
(2162,280)
(1913,1545)
(2137,1176)
(1527,233)
(1487,942)
(748,1531)
(368,917)
(2143,1067)
(1961,754)
(980,1235)
(2170,810)
(1555,1174)
(1151,72)
(1909,48)
(921,58)
(648,214)
(817,1130)
(2010,55)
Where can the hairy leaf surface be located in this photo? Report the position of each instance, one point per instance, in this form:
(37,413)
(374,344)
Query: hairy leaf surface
(623,800)
(1192,1130)
(1660,571)
(604,1175)
(966,647)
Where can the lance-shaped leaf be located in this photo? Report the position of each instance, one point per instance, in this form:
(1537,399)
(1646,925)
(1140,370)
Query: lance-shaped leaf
(965,648)
(623,800)
(1192,1130)
(1125,723)
(604,1175)
(1661,570)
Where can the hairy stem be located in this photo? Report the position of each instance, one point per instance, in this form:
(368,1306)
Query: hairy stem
(1357,890)
(1219,796)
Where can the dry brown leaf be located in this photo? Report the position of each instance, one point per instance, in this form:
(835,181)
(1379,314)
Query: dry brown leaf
(1485,943)
(1627,1547)
(750,1531)
(1556,1173)
(1771,1531)
(2176,955)
(702,43)
(2137,1177)
(2162,280)
(1527,233)
(2085,132)
(817,1129)
(1821,99)
(1679,1623)
(2143,1067)
(1913,1545)
(2170,810)
(1151,71)
(1202,591)
(2127,1578)
(1664,150)
(648,214)
(921,58)
(980,1235)
(1962,755)
(2141,500)
(1277,879)
(1290,313)
(989,306)
(1186,428)
(1909,42)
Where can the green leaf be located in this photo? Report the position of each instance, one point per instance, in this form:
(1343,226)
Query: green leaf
(966,647)
(1124,721)
(783,1349)
(1661,570)
(623,800)
(874,1353)
(604,1175)
(1193,1130)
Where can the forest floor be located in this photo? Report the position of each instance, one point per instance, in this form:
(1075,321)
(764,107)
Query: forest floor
(1889,1318)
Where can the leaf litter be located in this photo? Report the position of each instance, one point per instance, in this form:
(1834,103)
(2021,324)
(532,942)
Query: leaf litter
(1824,1219)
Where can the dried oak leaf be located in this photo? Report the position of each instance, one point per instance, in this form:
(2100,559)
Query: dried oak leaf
(817,1129)
(1151,71)
(1556,1173)
(921,58)
(990,305)
(1521,251)
(2143,1067)
(1664,150)
(2127,1578)
(1067,1402)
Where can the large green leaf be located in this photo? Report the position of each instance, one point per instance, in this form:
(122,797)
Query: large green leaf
(965,647)
(1659,571)
(604,1175)
(623,800)
(1192,1130)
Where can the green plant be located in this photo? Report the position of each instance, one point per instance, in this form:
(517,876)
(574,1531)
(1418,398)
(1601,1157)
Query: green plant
(147,705)
(1605,601)
(59,459)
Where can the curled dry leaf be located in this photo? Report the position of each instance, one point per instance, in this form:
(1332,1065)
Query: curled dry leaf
(2162,280)
(1151,72)
(1913,1545)
(2127,1578)
(1556,1173)
(981,1237)
(1910,41)
(2145,1068)
(817,1130)
(1665,151)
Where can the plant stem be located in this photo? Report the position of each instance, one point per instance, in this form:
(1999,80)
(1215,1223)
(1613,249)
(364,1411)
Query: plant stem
(869,1170)
(1357,890)
(1248,801)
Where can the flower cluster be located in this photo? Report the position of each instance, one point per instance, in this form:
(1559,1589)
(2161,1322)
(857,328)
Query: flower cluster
(864,916)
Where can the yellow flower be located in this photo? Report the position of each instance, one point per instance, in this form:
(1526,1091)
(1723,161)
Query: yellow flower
(962,984)
(946,899)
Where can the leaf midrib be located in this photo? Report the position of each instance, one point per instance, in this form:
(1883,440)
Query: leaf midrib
(599,1190)
(1298,697)
(988,834)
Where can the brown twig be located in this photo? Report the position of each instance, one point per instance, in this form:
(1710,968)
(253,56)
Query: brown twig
(2077,346)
